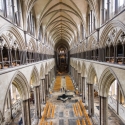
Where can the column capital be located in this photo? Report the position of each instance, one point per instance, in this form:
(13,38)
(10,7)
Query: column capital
(84,77)
(89,83)
(36,86)
(42,79)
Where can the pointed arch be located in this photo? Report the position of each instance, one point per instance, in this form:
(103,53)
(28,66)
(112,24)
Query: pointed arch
(106,79)
(16,33)
(42,71)
(21,83)
(34,78)
(91,74)
(108,28)
(83,70)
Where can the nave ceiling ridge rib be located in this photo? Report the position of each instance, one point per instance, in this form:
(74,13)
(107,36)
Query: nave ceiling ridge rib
(66,12)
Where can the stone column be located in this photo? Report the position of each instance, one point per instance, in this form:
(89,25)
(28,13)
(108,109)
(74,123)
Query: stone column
(90,99)
(73,74)
(76,75)
(51,75)
(116,6)
(37,102)
(46,83)
(103,12)
(44,90)
(103,110)
(108,9)
(10,104)
(41,91)
(83,89)
(70,70)
(26,112)
(1,54)
(118,96)
(54,71)
(48,80)
(79,82)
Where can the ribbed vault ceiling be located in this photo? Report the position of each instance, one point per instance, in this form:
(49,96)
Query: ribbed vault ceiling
(60,19)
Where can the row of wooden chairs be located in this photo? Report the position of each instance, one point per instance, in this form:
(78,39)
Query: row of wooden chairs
(88,121)
(83,122)
(47,123)
(57,84)
(69,84)
(49,111)
(77,110)
(78,122)
(53,111)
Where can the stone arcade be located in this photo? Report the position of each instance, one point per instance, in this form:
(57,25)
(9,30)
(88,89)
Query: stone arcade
(47,45)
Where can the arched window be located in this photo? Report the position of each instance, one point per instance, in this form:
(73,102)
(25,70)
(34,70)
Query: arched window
(9,8)
(40,33)
(91,21)
(78,39)
(121,3)
(113,6)
(105,4)
(32,24)
(82,32)
(106,10)
(28,24)
(17,12)
(1,5)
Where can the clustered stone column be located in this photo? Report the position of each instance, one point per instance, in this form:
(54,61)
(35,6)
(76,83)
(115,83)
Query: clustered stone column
(47,84)
(51,75)
(73,74)
(37,102)
(76,75)
(81,85)
(83,89)
(103,110)
(90,99)
(71,71)
(118,98)
(9,105)
(79,82)
(43,91)
(49,79)
(26,112)
(54,71)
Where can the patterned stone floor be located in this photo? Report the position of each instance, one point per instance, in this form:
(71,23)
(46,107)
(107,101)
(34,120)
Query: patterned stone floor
(64,114)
